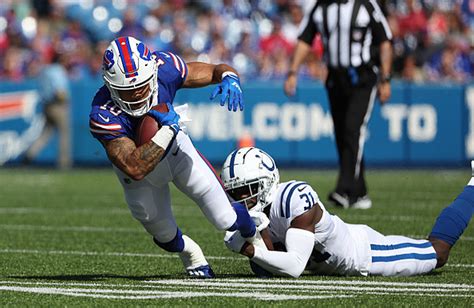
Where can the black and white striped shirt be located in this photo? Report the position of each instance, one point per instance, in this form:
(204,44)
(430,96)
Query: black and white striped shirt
(348,29)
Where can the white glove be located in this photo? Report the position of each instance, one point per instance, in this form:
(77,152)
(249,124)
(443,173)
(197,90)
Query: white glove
(257,240)
(260,219)
(234,241)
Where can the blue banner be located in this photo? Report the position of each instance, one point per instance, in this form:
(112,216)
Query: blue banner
(420,125)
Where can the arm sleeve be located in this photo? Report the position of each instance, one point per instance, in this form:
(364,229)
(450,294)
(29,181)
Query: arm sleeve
(380,28)
(299,244)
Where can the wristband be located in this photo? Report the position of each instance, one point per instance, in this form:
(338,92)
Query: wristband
(230,74)
(386,78)
(163,137)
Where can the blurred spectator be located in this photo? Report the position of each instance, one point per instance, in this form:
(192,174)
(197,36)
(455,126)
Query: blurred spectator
(131,25)
(450,64)
(254,34)
(275,50)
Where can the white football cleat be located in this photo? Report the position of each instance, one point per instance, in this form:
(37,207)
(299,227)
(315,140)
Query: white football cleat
(194,261)
(203,272)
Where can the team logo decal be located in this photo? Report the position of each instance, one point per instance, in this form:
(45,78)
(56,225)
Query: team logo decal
(108,59)
(269,168)
(145,53)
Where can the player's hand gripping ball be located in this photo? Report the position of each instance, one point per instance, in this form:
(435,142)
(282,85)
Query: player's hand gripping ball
(159,115)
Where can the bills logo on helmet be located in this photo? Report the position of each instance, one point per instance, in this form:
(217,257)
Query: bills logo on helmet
(108,61)
(145,53)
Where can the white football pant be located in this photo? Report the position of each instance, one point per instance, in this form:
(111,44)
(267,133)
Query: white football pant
(395,255)
(149,200)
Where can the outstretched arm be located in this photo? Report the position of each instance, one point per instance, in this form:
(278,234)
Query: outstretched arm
(299,242)
(202,74)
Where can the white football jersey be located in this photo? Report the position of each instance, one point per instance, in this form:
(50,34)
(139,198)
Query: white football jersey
(339,248)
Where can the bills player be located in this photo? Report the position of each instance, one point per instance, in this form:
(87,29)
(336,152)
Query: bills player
(309,237)
(135,80)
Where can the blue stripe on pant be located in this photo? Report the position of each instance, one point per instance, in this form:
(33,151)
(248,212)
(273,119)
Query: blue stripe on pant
(417,256)
(400,256)
(398,246)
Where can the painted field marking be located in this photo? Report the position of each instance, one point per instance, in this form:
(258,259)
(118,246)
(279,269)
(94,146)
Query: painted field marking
(155,294)
(351,285)
(259,289)
(251,283)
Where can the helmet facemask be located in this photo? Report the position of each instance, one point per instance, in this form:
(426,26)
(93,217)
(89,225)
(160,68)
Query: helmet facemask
(129,106)
(249,193)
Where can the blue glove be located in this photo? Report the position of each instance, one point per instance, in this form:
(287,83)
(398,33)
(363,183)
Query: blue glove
(231,92)
(169,118)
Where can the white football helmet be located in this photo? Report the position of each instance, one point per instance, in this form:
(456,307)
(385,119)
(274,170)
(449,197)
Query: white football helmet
(127,65)
(250,176)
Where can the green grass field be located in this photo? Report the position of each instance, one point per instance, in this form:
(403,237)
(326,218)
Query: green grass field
(67,238)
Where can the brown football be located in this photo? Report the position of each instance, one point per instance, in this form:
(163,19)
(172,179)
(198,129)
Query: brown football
(148,126)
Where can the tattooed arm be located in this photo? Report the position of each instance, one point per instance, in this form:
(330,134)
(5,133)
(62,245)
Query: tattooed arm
(135,162)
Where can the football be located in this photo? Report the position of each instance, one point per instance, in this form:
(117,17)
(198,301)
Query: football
(148,126)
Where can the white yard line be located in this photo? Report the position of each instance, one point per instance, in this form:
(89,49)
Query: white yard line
(144,255)
(251,283)
(259,289)
(139,294)
(351,285)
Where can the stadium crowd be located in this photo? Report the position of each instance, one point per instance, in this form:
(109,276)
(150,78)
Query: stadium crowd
(433,39)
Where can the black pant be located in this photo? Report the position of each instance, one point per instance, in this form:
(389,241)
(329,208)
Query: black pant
(351,96)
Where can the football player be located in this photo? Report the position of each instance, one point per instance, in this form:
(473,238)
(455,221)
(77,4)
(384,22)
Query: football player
(302,234)
(135,80)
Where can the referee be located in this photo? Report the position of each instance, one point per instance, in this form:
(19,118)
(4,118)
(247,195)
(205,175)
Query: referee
(358,53)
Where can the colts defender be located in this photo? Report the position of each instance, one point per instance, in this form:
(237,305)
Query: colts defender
(135,81)
(309,237)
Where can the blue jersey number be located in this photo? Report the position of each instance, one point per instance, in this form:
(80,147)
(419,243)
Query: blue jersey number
(309,199)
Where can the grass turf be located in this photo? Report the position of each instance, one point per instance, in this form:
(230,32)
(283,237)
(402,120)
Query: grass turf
(67,238)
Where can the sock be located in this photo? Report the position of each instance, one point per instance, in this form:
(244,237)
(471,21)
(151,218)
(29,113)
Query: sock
(192,256)
(175,245)
(244,222)
(454,219)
